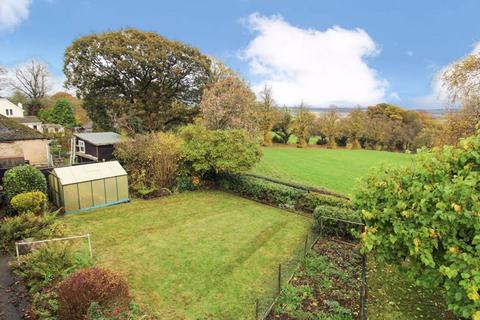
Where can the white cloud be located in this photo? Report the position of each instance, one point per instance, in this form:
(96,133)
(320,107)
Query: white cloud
(438,96)
(317,67)
(394,96)
(12,12)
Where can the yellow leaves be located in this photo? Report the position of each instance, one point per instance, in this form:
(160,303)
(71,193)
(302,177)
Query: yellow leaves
(407,213)
(368,215)
(433,233)
(370,229)
(476,315)
(456,207)
(472,293)
(417,242)
(454,249)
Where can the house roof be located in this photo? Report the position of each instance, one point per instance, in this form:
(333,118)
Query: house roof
(26,119)
(5,102)
(100,138)
(11,130)
(89,172)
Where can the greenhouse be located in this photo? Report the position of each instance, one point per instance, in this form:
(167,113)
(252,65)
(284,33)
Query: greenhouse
(88,186)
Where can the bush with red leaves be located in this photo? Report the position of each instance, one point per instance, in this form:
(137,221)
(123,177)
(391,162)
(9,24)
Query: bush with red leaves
(78,291)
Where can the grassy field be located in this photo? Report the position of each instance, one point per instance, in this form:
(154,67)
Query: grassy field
(391,295)
(198,255)
(337,170)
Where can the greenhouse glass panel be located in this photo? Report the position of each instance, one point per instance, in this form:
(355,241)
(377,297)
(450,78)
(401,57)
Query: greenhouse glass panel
(71,197)
(85,194)
(111,187)
(98,192)
(122,183)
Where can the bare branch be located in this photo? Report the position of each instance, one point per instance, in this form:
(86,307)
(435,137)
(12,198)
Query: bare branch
(32,79)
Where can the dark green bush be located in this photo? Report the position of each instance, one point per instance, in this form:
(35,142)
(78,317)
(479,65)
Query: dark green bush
(49,264)
(22,179)
(277,194)
(28,225)
(35,202)
(334,227)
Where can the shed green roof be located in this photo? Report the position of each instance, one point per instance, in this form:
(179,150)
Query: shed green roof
(11,130)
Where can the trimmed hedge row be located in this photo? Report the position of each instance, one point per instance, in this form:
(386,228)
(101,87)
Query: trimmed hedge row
(338,228)
(278,195)
(287,197)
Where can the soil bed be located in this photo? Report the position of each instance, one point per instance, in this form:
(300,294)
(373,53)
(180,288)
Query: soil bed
(13,296)
(327,286)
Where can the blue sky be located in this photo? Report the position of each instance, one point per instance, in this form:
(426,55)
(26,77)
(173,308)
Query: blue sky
(380,50)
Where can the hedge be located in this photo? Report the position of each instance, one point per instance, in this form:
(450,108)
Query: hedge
(338,228)
(278,195)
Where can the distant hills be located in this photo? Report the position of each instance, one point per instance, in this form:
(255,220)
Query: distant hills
(344,111)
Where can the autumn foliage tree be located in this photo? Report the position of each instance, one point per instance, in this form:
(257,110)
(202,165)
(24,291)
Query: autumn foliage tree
(328,125)
(302,126)
(267,115)
(136,81)
(229,104)
(462,82)
(283,126)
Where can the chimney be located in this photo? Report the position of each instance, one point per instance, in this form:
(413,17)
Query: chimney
(20,105)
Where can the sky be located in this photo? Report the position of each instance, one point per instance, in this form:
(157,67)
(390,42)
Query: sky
(342,52)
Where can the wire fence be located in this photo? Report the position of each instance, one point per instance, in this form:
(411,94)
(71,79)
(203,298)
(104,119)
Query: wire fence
(282,275)
(28,246)
(286,270)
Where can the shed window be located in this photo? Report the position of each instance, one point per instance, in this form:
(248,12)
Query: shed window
(81,146)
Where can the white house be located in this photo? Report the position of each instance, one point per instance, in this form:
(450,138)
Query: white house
(9,109)
(15,112)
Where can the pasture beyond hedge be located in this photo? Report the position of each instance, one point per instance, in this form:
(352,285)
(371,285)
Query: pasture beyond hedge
(334,169)
(184,238)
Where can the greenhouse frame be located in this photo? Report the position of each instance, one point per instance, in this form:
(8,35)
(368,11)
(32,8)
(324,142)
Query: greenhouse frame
(89,186)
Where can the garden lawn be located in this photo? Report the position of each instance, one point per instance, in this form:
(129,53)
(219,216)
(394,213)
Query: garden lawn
(337,169)
(197,255)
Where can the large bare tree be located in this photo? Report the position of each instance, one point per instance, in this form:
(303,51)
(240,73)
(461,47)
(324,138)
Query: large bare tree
(32,79)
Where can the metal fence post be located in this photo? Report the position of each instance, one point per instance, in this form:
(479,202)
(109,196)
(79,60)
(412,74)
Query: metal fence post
(90,246)
(279,278)
(321,226)
(363,288)
(256,309)
(305,248)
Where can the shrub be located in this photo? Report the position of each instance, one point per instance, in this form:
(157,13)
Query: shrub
(45,305)
(217,151)
(428,214)
(49,264)
(28,225)
(152,161)
(96,312)
(22,179)
(335,227)
(35,202)
(277,194)
(77,292)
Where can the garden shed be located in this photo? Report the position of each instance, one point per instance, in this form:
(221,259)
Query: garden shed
(88,186)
